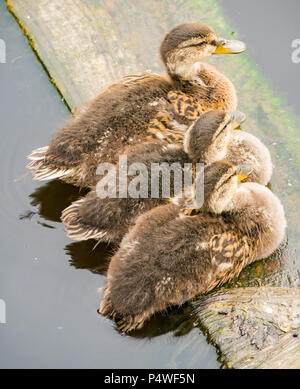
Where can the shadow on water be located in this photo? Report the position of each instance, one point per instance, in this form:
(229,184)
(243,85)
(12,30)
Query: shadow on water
(177,320)
(90,255)
(52,198)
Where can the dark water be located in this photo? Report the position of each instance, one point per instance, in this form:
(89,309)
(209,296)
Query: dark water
(50,285)
(269,27)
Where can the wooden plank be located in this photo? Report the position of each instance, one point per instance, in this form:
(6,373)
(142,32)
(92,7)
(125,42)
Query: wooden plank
(85,45)
(254,328)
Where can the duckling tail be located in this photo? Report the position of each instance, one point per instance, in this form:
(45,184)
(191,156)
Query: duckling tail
(43,171)
(76,228)
(38,154)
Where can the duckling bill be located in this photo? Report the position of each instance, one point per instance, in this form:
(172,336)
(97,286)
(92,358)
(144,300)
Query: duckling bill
(141,106)
(169,257)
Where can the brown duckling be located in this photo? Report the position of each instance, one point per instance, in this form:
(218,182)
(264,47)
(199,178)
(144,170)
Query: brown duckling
(168,257)
(209,139)
(141,106)
(209,142)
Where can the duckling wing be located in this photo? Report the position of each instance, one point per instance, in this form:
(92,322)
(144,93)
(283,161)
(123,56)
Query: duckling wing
(229,253)
(170,126)
(184,105)
(165,128)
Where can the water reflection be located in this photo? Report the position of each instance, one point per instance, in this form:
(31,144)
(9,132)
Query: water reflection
(90,255)
(177,320)
(53,197)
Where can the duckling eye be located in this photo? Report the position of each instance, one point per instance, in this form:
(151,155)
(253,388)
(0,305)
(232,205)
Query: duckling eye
(226,180)
(229,178)
(222,129)
(196,44)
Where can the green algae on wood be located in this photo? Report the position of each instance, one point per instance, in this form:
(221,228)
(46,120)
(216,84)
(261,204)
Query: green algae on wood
(254,327)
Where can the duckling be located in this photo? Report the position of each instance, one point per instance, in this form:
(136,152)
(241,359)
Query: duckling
(169,257)
(209,139)
(141,106)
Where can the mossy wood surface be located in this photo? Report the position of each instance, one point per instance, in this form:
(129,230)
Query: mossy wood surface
(254,328)
(85,45)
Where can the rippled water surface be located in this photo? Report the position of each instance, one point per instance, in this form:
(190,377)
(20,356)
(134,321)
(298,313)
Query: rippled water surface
(51,285)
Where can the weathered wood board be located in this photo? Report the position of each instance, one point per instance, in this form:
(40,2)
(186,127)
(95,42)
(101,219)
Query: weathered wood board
(254,327)
(85,45)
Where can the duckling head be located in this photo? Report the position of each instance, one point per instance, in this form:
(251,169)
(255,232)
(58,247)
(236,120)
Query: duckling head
(187,44)
(207,139)
(221,183)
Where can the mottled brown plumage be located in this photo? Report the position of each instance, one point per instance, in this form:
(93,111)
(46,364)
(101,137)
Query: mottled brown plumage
(123,113)
(167,258)
(211,138)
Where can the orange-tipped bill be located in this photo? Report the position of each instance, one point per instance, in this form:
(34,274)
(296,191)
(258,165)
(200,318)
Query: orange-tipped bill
(243,172)
(230,47)
(236,119)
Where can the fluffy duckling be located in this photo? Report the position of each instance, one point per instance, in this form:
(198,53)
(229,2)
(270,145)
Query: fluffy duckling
(169,257)
(209,139)
(141,106)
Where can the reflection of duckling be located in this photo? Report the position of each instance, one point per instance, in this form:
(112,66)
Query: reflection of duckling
(53,197)
(84,255)
(168,257)
(211,138)
(121,115)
